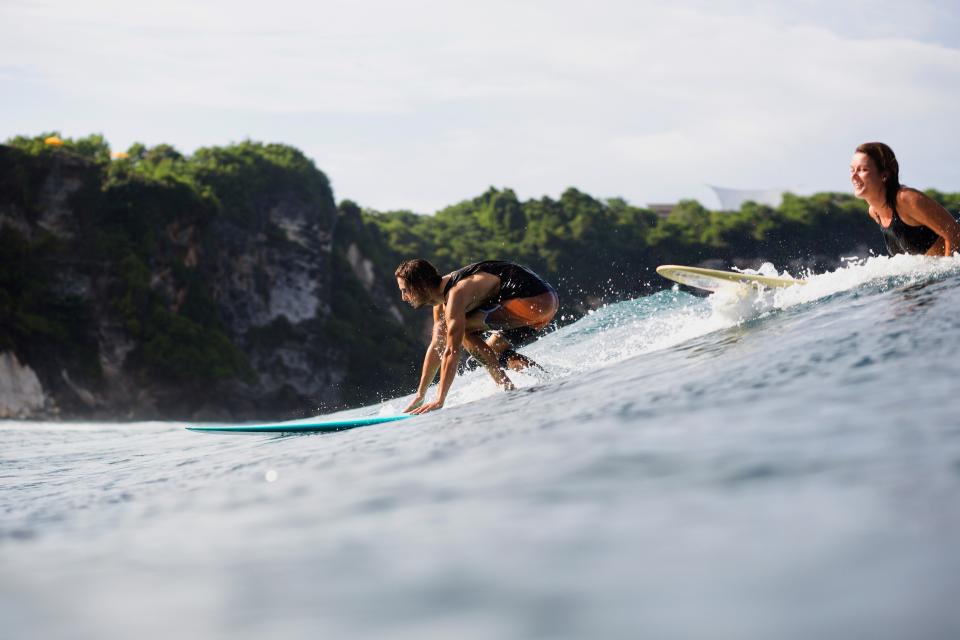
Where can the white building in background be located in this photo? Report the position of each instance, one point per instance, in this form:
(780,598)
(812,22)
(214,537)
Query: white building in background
(662,209)
(732,199)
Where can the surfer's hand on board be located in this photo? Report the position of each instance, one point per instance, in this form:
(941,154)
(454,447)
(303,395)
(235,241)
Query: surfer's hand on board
(430,406)
(417,401)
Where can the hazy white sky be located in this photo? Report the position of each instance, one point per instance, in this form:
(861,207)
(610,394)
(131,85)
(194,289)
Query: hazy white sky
(421,104)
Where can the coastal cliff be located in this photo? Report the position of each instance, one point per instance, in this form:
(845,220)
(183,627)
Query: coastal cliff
(154,287)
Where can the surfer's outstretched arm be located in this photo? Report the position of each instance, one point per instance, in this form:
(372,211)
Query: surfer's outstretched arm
(431,360)
(456,323)
(924,210)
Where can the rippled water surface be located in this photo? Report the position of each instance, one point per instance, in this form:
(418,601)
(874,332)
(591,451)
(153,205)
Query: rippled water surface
(774,465)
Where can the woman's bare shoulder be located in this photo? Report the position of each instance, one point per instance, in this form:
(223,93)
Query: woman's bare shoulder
(911,197)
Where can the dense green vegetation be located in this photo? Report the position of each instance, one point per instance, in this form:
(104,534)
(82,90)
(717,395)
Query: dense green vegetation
(602,250)
(37,317)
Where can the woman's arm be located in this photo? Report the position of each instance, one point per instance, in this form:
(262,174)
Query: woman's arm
(917,208)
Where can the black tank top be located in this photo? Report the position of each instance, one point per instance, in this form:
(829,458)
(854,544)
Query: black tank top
(516,281)
(903,238)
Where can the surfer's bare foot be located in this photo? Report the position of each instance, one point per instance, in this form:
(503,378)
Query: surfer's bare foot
(518,362)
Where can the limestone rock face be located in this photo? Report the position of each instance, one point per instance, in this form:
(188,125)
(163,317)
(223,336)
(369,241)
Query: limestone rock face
(276,280)
(21,394)
(257,278)
(140,299)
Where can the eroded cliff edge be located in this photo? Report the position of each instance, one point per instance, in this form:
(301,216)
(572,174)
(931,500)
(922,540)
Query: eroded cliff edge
(226,287)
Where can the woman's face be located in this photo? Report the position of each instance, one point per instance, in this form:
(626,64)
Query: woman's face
(865,177)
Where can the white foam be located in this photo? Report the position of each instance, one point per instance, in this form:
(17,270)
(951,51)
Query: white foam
(896,271)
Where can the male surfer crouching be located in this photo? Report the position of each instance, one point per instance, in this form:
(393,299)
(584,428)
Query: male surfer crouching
(506,299)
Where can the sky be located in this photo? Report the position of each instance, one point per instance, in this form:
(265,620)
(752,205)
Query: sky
(419,104)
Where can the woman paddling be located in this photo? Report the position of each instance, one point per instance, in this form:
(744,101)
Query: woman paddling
(911,222)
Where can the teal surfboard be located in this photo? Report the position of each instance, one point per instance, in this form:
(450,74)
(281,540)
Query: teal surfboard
(297,427)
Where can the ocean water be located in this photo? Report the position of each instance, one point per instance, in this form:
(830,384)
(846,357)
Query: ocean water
(763,464)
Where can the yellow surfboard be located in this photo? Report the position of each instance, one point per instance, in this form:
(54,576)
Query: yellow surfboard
(714,279)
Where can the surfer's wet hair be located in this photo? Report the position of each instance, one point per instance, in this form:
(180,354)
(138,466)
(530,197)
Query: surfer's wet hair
(886,162)
(419,274)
